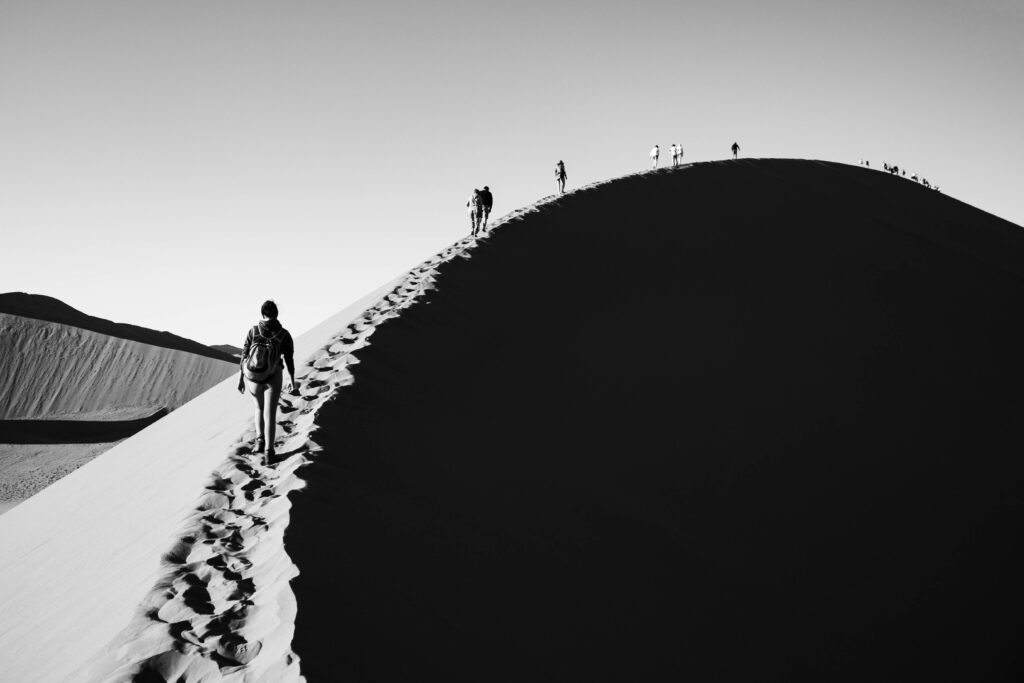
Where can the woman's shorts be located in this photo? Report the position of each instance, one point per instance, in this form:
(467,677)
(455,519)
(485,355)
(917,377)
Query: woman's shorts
(273,383)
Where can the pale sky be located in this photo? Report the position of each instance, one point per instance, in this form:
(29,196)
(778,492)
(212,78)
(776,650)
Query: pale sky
(171,164)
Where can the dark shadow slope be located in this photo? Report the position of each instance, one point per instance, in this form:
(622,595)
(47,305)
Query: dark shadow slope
(73,431)
(53,310)
(753,420)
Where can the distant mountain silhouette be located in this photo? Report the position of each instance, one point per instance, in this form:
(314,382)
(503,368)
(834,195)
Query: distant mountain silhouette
(50,309)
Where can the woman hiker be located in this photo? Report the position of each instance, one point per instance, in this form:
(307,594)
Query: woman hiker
(261,373)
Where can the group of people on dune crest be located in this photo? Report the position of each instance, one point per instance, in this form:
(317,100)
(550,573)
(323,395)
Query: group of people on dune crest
(677,154)
(897,171)
(481,201)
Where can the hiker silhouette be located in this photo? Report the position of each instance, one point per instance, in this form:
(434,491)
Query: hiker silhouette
(476,211)
(265,345)
(560,176)
(655,153)
(735,150)
(488,201)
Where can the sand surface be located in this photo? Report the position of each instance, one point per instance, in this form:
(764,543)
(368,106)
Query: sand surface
(26,469)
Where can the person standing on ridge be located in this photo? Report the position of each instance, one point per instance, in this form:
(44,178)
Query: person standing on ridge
(655,153)
(560,176)
(488,201)
(476,211)
(735,150)
(679,155)
(675,154)
(265,344)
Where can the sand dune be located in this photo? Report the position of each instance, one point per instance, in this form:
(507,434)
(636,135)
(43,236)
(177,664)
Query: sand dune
(731,422)
(734,420)
(67,372)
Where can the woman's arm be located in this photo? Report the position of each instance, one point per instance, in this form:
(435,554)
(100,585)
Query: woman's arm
(288,351)
(241,361)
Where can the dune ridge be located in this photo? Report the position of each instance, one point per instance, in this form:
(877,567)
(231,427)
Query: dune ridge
(41,307)
(63,372)
(223,608)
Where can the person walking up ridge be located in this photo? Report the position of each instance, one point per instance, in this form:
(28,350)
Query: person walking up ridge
(265,345)
(487,201)
(476,211)
(560,176)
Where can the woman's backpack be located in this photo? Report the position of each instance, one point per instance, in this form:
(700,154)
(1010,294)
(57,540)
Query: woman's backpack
(263,356)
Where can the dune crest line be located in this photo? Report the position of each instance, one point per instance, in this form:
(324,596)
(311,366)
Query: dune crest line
(222,608)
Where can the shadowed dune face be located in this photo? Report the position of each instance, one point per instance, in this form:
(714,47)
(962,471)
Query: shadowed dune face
(754,417)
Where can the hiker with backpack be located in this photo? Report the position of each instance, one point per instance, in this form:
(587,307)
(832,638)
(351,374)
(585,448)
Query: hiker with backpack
(476,211)
(488,203)
(735,150)
(265,344)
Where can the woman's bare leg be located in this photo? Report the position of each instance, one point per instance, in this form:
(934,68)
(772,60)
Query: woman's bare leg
(270,415)
(257,399)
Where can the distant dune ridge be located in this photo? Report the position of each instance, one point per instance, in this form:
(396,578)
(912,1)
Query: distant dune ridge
(752,419)
(43,307)
(62,371)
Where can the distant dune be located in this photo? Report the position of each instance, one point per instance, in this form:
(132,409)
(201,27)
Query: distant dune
(64,372)
(738,420)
